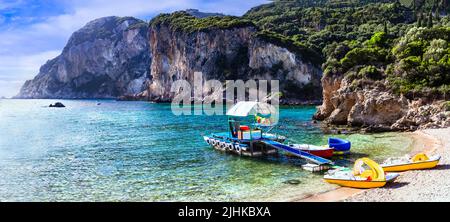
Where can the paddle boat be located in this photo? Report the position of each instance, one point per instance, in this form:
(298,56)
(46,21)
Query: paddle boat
(340,146)
(418,162)
(360,177)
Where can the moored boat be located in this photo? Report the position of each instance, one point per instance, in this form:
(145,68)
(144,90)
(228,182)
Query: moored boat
(359,177)
(340,146)
(418,162)
(315,150)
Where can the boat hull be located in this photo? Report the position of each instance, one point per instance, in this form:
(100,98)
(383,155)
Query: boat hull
(236,148)
(411,166)
(362,184)
(357,184)
(340,146)
(326,153)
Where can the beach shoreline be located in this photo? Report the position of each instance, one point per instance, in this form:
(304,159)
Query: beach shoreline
(428,141)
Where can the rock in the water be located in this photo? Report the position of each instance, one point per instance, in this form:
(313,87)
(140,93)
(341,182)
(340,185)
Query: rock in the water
(57,105)
(107,58)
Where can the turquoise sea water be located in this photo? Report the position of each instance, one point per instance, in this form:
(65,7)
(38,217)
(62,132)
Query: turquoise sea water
(138,151)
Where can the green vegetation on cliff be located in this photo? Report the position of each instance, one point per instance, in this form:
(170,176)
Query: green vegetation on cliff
(417,63)
(183,21)
(422,61)
(316,27)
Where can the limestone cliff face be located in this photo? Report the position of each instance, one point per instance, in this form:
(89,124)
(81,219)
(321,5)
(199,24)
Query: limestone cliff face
(375,108)
(107,58)
(227,54)
(299,78)
(125,58)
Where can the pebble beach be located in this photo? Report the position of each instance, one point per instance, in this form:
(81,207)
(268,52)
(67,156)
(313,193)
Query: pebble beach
(431,185)
(422,185)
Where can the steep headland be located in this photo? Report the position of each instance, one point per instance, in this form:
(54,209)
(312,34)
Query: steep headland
(107,58)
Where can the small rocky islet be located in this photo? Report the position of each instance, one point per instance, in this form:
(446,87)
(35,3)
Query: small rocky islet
(57,105)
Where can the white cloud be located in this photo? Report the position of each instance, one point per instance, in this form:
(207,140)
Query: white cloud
(24,49)
(26,62)
(15,70)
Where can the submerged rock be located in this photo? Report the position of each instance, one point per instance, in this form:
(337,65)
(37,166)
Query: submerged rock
(293,182)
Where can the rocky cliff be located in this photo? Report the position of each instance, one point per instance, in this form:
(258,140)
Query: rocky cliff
(125,58)
(107,58)
(224,48)
(389,83)
(375,108)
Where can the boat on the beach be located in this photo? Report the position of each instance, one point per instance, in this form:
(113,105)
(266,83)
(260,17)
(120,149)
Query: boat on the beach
(321,151)
(340,146)
(361,177)
(418,162)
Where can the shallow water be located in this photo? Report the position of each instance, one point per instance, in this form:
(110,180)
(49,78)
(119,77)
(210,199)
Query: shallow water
(138,151)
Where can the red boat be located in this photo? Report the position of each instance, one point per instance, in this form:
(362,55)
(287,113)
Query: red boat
(321,151)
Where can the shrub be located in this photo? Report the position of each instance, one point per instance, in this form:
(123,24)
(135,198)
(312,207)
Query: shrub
(446,105)
(183,21)
(370,72)
(379,39)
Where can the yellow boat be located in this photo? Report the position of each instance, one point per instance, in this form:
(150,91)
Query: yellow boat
(360,177)
(418,162)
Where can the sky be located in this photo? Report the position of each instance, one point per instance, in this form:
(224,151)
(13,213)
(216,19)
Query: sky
(34,31)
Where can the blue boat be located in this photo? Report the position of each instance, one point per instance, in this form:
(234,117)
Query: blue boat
(340,146)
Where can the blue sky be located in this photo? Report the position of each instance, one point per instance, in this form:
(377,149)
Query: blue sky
(34,31)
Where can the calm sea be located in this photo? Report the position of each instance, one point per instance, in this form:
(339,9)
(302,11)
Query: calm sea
(103,150)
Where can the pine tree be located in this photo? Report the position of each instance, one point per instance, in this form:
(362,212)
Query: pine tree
(419,19)
(437,14)
(413,7)
(430,19)
(386,30)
